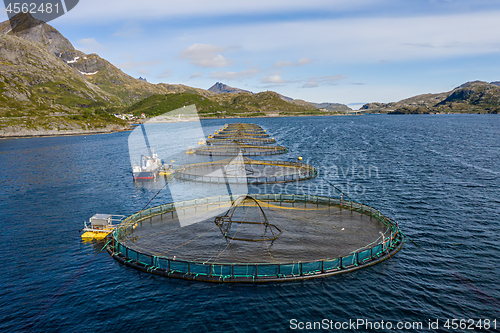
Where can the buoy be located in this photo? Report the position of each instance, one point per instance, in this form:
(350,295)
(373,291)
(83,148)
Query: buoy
(300,158)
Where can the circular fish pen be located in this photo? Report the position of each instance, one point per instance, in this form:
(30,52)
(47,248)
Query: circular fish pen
(236,148)
(225,135)
(257,238)
(245,171)
(241,140)
(236,128)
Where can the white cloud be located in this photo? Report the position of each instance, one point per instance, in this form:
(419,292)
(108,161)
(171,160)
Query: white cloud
(165,74)
(303,61)
(331,78)
(205,55)
(364,44)
(311,84)
(274,79)
(90,45)
(195,75)
(143,71)
(228,75)
(287,63)
(326,80)
(367,40)
(119,10)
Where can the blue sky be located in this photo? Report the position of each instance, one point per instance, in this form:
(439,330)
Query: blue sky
(350,52)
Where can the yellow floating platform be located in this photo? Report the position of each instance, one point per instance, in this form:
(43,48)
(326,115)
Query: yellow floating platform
(91,235)
(101,225)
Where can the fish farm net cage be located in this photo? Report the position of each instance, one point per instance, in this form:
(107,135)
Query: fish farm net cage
(241,140)
(236,148)
(243,170)
(243,127)
(223,135)
(240,128)
(257,238)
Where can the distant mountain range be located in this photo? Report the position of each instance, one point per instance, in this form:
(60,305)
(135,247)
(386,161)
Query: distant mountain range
(221,88)
(470,97)
(46,85)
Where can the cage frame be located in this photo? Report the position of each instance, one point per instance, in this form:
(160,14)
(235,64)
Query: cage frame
(260,272)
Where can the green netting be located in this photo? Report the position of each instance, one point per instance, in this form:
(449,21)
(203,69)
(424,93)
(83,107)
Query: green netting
(349,260)
(364,255)
(180,266)
(331,264)
(290,269)
(245,150)
(245,171)
(245,270)
(145,259)
(236,134)
(163,263)
(241,140)
(269,270)
(200,269)
(222,270)
(254,271)
(312,267)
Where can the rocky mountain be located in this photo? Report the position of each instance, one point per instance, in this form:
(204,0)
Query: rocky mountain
(221,88)
(262,104)
(46,85)
(28,28)
(93,68)
(470,97)
(39,92)
(332,107)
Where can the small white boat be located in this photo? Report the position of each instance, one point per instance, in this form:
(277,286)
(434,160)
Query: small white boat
(148,169)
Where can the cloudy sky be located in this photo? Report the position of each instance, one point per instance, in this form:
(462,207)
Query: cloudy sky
(346,51)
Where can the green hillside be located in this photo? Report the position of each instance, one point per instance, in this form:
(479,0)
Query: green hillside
(37,90)
(243,105)
(159,104)
(470,97)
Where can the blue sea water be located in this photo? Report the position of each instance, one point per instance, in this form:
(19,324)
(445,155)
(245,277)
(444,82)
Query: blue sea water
(437,175)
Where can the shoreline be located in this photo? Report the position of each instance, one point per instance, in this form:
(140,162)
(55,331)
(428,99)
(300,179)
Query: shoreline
(23,132)
(49,134)
(53,133)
